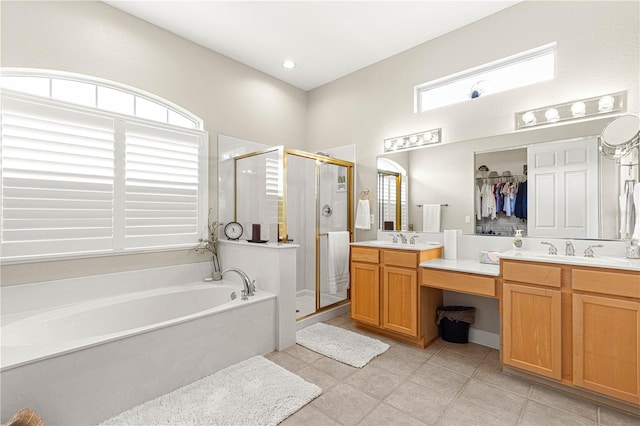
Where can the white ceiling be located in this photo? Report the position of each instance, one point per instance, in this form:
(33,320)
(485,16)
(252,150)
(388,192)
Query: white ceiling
(327,39)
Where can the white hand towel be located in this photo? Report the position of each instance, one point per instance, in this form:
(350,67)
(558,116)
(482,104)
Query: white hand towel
(338,261)
(431,217)
(636,204)
(363,215)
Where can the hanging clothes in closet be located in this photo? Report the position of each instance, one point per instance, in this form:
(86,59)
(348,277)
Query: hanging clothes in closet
(520,210)
(507,197)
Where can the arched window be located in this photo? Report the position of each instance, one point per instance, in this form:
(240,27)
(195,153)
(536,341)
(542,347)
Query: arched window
(94,167)
(97,93)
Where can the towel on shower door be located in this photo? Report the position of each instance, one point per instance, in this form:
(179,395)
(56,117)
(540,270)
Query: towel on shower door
(338,261)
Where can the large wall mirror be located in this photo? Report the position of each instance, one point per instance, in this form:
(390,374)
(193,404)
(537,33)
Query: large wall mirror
(447,174)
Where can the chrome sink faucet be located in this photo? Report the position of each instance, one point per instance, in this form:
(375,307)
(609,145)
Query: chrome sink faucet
(588,252)
(403,238)
(552,248)
(249,286)
(569,249)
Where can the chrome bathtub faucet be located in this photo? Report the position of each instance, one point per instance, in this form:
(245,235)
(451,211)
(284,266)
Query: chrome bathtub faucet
(249,286)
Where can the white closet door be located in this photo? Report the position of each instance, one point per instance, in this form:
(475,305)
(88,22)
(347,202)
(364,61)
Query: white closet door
(563,189)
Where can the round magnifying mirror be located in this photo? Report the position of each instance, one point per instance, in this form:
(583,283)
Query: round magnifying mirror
(621,130)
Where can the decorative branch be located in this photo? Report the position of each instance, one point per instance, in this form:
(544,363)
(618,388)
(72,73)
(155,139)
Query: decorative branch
(211,244)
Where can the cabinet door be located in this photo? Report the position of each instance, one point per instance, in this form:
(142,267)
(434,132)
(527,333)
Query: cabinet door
(365,293)
(531,329)
(606,346)
(400,300)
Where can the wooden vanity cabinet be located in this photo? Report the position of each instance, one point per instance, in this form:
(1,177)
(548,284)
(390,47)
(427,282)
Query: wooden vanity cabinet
(400,292)
(385,292)
(532,318)
(606,333)
(577,325)
(365,285)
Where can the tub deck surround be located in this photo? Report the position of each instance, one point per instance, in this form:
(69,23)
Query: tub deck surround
(272,266)
(154,341)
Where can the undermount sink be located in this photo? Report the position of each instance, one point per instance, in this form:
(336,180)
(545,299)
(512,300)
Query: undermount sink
(419,245)
(576,260)
(582,260)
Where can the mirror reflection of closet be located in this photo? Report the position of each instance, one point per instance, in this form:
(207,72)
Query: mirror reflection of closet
(506,170)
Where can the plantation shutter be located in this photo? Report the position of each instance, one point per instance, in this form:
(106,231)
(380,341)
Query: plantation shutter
(77,181)
(163,198)
(57,180)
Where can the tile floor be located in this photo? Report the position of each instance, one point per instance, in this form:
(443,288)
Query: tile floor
(445,384)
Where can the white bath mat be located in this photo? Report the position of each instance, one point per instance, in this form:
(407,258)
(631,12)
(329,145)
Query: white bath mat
(342,345)
(252,392)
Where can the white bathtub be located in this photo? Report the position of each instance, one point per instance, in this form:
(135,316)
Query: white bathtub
(87,361)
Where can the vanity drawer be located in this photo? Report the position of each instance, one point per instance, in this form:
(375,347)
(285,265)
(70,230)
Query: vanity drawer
(405,259)
(455,281)
(531,273)
(605,282)
(362,254)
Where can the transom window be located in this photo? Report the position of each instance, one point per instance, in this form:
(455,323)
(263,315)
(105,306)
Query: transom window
(79,179)
(97,93)
(532,66)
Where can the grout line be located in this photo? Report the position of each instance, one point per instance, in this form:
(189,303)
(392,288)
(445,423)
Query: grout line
(463,388)
(522,411)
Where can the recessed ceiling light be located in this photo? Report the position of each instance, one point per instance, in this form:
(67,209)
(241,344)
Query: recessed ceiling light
(288,64)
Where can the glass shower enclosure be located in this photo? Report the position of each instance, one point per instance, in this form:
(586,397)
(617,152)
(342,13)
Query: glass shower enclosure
(296,197)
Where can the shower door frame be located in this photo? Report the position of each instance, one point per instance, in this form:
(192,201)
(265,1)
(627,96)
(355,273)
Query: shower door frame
(322,159)
(283,153)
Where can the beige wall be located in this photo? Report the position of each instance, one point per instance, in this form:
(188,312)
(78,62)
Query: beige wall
(598,53)
(95,39)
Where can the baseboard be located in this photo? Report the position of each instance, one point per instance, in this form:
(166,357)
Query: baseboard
(484,338)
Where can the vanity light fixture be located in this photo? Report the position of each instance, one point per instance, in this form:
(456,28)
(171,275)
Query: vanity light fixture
(576,110)
(414,140)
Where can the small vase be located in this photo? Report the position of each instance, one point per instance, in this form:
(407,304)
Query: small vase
(217,272)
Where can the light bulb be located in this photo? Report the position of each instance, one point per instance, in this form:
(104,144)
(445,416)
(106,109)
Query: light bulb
(413,139)
(552,115)
(578,109)
(606,103)
(529,118)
